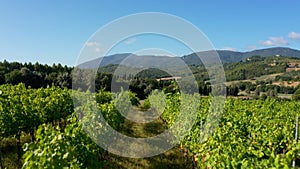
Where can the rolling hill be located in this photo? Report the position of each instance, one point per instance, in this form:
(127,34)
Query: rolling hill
(232,56)
(191,59)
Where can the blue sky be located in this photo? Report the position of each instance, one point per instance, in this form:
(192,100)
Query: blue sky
(55,31)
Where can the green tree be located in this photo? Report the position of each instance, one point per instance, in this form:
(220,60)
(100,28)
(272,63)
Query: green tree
(64,80)
(232,90)
(296,95)
(14,77)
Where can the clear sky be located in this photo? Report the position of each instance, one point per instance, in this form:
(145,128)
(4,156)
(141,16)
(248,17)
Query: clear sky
(55,31)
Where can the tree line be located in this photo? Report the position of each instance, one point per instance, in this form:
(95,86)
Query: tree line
(35,75)
(42,75)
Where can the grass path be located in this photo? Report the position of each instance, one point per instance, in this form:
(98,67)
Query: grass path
(174,158)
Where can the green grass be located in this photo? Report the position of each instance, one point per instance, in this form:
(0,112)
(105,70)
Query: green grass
(288,96)
(9,152)
(253,80)
(268,77)
(174,158)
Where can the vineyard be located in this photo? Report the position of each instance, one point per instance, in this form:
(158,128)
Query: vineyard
(250,133)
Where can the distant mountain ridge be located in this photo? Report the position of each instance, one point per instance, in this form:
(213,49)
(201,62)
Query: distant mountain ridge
(233,56)
(191,59)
